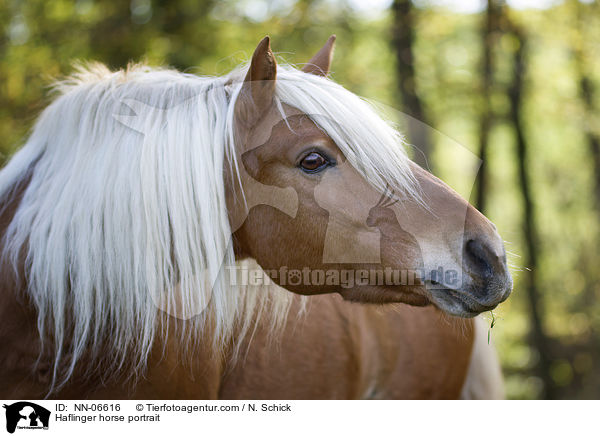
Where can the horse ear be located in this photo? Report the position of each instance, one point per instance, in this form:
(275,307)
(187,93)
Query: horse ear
(259,83)
(321,62)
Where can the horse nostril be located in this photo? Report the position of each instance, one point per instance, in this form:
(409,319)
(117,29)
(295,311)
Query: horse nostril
(480,257)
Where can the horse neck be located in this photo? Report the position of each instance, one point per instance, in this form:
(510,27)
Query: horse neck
(18,331)
(9,204)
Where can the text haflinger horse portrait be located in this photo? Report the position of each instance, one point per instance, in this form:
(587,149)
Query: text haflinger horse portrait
(257,235)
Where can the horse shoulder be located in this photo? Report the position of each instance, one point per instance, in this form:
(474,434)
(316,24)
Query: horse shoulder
(413,352)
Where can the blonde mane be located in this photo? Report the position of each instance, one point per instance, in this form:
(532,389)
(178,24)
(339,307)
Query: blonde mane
(124,214)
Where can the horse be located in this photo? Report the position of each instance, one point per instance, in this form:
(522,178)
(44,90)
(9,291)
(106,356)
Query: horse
(258,235)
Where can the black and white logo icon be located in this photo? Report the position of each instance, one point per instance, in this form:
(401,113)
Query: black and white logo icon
(26,415)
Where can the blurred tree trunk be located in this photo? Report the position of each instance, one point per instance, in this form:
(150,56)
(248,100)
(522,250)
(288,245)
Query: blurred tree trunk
(489,32)
(403,41)
(590,126)
(530,280)
(587,95)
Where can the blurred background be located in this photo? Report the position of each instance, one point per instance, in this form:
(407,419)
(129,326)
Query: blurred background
(515,83)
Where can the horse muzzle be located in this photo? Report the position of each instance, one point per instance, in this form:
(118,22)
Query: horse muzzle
(486,281)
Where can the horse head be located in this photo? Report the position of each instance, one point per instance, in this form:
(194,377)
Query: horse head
(345,199)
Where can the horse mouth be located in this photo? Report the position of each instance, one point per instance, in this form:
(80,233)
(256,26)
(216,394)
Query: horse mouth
(455,301)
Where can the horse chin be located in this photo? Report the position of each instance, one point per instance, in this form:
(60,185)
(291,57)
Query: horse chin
(457,303)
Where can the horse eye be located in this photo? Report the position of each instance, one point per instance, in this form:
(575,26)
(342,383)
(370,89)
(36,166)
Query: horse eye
(313,162)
